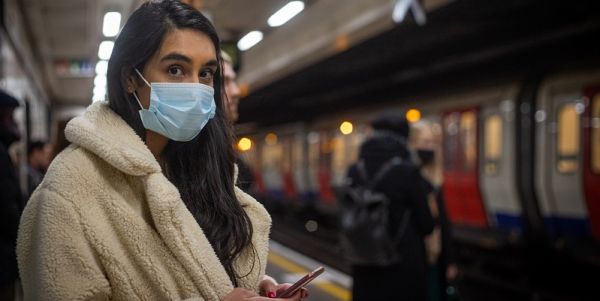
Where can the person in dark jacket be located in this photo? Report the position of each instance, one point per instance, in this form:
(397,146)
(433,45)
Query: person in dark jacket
(11,198)
(404,186)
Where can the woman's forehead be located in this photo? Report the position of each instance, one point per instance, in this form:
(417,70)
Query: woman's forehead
(193,44)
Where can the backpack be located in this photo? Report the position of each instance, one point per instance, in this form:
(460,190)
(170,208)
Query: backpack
(366,236)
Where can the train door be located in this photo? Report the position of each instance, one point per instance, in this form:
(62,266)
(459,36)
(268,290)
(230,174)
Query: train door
(461,178)
(591,162)
(497,166)
(559,161)
(324,172)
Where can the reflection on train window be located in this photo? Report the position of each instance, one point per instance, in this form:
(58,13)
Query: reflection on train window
(450,141)
(567,143)
(468,135)
(271,159)
(595,145)
(492,144)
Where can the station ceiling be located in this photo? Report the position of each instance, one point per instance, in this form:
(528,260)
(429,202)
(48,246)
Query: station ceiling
(70,31)
(464,44)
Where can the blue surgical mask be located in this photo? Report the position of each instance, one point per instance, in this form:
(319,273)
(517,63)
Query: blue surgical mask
(177,111)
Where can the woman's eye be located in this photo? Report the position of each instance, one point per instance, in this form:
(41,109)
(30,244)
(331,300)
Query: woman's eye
(207,75)
(175,71)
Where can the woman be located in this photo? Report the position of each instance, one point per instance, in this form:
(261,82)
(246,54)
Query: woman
(403,186)
(442,269)
(142,204)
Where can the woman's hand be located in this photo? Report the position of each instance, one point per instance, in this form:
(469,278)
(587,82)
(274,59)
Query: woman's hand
(270,288)
(242,294)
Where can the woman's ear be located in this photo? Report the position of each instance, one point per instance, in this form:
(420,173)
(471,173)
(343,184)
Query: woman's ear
(129,80)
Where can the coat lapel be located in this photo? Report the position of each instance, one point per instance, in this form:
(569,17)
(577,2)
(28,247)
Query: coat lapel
(184,237)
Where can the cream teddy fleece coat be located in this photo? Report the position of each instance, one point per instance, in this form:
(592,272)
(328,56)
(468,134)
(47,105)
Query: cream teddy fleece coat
(106,224)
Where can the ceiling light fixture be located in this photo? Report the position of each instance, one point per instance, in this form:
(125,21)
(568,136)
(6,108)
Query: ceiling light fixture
(112,22)
(102,67)
(285,13)
(249,40)
(100,80)
(105,49)
(98,97)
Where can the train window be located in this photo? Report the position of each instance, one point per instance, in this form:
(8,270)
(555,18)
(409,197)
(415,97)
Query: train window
(314,139)
(595,145)
(339,158)
(287,156)
(468,135)
(450,141)
(492,144)
(567,142)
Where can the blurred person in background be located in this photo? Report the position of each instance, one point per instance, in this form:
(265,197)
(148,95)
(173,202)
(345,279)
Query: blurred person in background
(232,100)
(232,89)
(60,142)
(38,159)
(142,204)
(11,198)
(404,187)
(441,270)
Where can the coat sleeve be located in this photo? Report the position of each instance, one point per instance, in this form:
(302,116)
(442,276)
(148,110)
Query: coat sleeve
(56,260)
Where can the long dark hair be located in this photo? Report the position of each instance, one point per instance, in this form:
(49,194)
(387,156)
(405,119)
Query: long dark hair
(202,169)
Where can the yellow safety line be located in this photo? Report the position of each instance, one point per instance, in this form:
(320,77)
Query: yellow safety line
(335,290)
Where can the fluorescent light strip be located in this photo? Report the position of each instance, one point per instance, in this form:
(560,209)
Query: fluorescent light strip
(100,80)
(285,13)
(112,22)
(100,90)
(101,67)
(249,40)
(105,49)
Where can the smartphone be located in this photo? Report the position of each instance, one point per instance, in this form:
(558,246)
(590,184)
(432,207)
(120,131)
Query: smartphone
(290,291)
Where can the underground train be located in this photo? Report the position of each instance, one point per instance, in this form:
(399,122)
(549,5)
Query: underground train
(517,160)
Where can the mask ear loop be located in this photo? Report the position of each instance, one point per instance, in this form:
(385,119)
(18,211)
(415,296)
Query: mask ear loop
(138,72)
(138,100)
(135,94)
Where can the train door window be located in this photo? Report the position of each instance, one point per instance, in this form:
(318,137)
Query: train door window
(595,145)
(492,146)
(338,162)
(450,141)
(567,142)
(272,155)
(314,139)
(287,164)
(468,135)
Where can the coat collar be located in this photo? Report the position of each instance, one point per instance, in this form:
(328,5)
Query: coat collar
(103,132)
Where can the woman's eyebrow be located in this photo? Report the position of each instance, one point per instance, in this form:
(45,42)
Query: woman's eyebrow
(211,63)
(174,56)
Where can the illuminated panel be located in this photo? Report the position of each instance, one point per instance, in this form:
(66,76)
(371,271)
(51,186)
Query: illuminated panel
(468,128)
(567,142)
(492,144)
